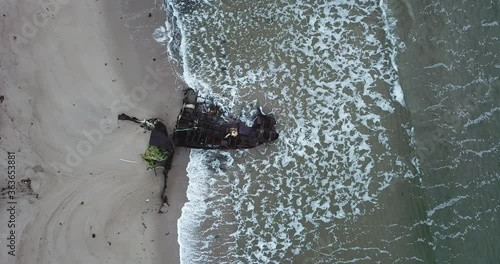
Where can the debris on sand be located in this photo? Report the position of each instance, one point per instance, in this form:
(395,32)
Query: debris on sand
(160,152)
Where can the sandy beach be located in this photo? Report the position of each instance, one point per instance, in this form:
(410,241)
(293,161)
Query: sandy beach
(82,192)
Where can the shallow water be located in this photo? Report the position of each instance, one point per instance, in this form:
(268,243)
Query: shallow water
(388,148)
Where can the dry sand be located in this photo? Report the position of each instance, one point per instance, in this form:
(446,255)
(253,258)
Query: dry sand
(64,80)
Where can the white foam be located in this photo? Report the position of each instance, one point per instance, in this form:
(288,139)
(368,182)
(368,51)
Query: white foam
(390,24)
(160,35)
(193,210)
(489,24)
(333,145)
(481,118)
(445,204)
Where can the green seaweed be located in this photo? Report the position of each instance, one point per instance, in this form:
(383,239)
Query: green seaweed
(154,156)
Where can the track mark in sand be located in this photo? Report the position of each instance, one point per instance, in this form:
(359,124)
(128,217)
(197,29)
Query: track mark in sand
(105,213)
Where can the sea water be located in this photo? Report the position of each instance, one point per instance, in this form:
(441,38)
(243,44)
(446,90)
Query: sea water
(389,132)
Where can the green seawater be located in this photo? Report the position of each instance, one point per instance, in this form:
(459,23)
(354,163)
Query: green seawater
(388,113)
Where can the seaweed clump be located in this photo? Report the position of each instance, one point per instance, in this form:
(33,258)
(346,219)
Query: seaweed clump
(154,157)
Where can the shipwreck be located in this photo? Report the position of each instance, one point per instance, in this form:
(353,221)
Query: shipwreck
(200,124)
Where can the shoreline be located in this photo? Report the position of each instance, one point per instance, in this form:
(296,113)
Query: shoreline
(63,86)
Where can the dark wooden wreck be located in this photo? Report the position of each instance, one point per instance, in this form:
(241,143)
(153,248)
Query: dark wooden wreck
(200,125)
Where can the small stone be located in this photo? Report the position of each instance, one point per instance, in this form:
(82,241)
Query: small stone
(164,208)
(93,235)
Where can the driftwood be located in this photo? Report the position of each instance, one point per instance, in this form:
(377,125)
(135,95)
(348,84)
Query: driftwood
(159,137)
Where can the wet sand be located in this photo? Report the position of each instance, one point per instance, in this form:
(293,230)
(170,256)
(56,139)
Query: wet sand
(67,70)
